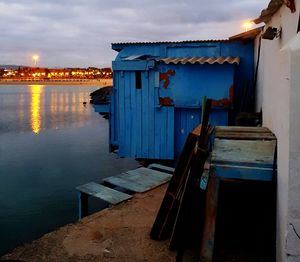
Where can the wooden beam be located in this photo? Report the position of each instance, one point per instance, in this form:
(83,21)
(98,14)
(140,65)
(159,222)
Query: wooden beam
(82,205)
(211,206)
(245,135)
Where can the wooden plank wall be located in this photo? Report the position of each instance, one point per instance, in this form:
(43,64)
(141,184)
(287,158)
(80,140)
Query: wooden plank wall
(144,129)
(186,119)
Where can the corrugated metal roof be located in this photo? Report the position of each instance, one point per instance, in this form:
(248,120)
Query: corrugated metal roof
(172,42)
(251,34)
(267,13)
(201,60)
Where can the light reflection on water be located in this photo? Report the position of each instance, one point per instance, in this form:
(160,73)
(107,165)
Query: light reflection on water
(35,120)
(42,107)
(49,144)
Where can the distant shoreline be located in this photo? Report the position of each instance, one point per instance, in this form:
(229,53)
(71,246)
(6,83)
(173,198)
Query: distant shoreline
(94,82)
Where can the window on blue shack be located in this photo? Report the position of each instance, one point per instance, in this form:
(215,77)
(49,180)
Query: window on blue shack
(138,80)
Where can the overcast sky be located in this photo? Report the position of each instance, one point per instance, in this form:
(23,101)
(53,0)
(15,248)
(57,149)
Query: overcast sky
(70,33)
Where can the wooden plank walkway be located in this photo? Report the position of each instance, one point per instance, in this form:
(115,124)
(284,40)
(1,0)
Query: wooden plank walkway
(105,193)
(139,180)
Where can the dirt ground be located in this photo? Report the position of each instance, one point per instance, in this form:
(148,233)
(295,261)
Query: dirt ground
(120,233)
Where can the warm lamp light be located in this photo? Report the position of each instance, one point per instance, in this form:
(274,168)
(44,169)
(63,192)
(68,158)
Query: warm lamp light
(35,59)
(247,25)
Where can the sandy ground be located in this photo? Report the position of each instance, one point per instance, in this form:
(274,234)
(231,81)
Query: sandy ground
(95,82)
(120,233)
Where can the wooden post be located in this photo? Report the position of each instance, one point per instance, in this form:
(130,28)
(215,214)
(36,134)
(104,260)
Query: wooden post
(204,99)
(83,204)
(211,206)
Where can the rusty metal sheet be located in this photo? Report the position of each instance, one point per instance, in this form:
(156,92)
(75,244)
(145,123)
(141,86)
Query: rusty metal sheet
(165,101)
(201,60)
(164,76)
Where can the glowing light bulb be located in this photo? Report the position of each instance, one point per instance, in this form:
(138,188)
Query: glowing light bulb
(35,59)
(247,25)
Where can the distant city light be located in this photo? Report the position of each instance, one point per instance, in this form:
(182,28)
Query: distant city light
(35,59)
(35,73)
(247,25)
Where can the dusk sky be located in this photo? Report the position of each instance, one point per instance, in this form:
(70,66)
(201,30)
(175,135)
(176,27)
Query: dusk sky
(73,33)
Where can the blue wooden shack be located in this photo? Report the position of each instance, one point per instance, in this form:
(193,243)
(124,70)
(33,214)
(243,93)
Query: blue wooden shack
(158,88)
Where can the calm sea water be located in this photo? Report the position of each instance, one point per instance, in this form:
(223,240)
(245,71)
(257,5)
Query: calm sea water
(49,144)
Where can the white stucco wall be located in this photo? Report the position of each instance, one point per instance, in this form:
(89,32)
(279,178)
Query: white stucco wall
(278,94)
(293,230)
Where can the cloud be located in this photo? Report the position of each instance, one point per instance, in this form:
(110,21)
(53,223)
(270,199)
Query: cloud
(79,32)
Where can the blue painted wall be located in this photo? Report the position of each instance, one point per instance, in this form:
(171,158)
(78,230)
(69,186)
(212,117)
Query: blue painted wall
(140,126)
(191,82)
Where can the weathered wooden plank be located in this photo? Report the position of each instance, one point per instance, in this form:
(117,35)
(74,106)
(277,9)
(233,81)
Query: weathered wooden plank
(133,183)
(145,115)
(114,121)
(162,132)
(244,152)
(124,183)
(210,217)
(139,180)
(112,196)
(182,230)
(121,115)
(128,115)
(246,135)
(151,114)
(162,168)
(143,171)
(170,133)
(157,133)
(134,120)
(139,116)
(243,172)
(196,131)
(107,194)
(82,205)
(165,218)
(247,129)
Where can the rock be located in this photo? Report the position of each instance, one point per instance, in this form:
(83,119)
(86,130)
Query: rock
(101,95)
